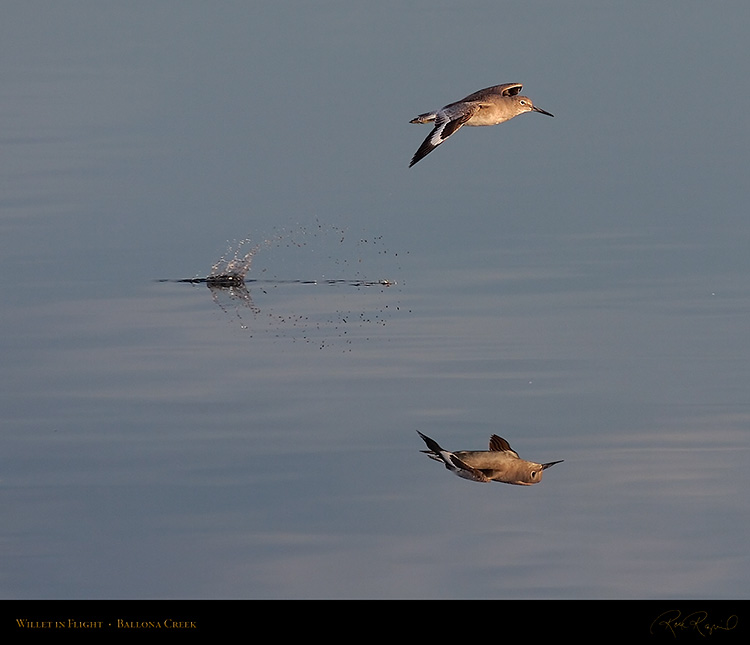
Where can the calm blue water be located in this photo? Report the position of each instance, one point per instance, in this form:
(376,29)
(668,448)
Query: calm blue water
(578,285)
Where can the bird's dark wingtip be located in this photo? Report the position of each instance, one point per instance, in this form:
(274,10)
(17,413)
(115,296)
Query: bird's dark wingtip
(425,149)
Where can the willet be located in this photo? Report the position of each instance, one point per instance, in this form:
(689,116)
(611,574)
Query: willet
(489,106)
(499,464)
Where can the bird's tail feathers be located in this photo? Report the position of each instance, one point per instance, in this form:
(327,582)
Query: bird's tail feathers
(427,117)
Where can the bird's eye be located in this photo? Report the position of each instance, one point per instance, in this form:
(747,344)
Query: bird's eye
(522,102)
(533,474)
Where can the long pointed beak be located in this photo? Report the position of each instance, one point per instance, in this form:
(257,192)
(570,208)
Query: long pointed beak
(551,463)
(541,111)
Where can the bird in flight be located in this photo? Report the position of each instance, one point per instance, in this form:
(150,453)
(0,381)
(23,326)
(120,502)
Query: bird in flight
(489,106)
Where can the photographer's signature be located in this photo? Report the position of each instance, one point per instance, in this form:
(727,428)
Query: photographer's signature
(674,622)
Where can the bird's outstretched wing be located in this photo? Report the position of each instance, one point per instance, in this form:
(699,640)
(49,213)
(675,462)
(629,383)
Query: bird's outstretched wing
(448,121)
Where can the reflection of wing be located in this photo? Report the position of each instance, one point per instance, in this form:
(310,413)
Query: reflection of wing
(462,469)
(451,461)
(498,444)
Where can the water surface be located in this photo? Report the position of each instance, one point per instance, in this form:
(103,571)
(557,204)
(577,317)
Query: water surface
(578,285)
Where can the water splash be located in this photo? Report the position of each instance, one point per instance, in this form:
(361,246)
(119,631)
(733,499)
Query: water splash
(232,267)
(324,315)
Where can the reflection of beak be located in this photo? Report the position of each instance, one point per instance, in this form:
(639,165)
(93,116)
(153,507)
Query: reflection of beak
(551,463)
(536,109)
